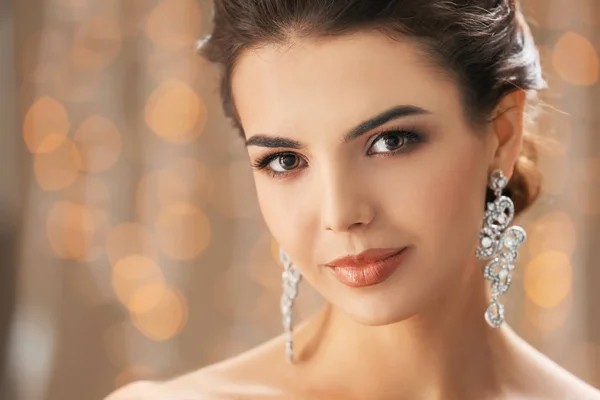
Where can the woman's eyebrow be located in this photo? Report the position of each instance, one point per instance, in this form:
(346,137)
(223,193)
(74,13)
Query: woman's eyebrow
(382,118)
(362,128)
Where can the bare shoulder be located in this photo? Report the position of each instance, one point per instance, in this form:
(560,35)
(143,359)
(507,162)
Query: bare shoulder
(137,391)
(255,374)
(562,384)
(246,376)
(548,380)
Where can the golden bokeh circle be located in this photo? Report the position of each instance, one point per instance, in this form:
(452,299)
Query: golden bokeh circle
(99,143)
(58,169)
(76,231)
(97,42)
(131,274)
(166,319)
(45,126)
(575,59)
(548,319)
(548,278)
(175,112)
(183,231)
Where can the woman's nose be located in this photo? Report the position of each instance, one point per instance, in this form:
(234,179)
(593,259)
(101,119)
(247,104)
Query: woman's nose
(345,203)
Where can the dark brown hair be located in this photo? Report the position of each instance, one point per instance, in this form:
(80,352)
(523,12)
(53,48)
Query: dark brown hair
(484,45)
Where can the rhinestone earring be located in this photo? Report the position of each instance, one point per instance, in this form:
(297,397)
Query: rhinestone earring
(499,244)
(291,278)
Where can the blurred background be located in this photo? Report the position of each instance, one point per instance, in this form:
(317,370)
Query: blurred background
(131,244)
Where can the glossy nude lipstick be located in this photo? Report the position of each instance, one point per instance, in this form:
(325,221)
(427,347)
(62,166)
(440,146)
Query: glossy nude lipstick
(367,268)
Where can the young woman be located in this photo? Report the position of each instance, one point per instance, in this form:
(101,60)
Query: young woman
(390,156)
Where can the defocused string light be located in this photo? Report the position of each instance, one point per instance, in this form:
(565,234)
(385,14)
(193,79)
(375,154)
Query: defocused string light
(175,112)
(58,169)
(183,231)
(133,273)
(45,126)
(99,143)
(76,231)
(165,320)
(97,42)
(548,319)
(175,24)
(547,278)
(575,59)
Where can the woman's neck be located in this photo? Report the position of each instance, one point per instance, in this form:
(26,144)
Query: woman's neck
(446,351)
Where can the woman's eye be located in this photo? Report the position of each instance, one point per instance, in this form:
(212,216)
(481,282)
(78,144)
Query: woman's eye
(388,142)
(285,162)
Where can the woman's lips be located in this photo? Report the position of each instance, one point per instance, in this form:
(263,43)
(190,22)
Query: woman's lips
(368,268)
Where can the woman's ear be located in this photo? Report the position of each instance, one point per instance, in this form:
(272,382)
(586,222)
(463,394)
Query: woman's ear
(507,126)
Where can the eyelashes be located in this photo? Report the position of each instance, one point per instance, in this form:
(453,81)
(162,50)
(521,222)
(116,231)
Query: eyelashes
(387,143)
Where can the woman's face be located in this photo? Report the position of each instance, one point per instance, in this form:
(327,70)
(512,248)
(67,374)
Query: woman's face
(357,144)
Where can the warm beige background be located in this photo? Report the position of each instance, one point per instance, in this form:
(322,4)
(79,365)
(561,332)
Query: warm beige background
(131,242)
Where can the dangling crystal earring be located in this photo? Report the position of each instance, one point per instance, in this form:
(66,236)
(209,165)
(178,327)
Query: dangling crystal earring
(291,278)
(499,244)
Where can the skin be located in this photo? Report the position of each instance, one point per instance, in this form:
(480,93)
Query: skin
(420,334)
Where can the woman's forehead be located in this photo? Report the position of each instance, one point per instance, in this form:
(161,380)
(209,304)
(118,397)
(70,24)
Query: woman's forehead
(339,79)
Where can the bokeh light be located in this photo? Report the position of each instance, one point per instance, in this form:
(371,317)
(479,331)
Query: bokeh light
(99,143)
(175,112)
(45,126)
(547,278)
(133,273)
(575,60)
(165,320)
(59,169)
(76,231)
(183,231)
(548,319)
(174,24)
(553,231)
(129,239)
(97,42)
